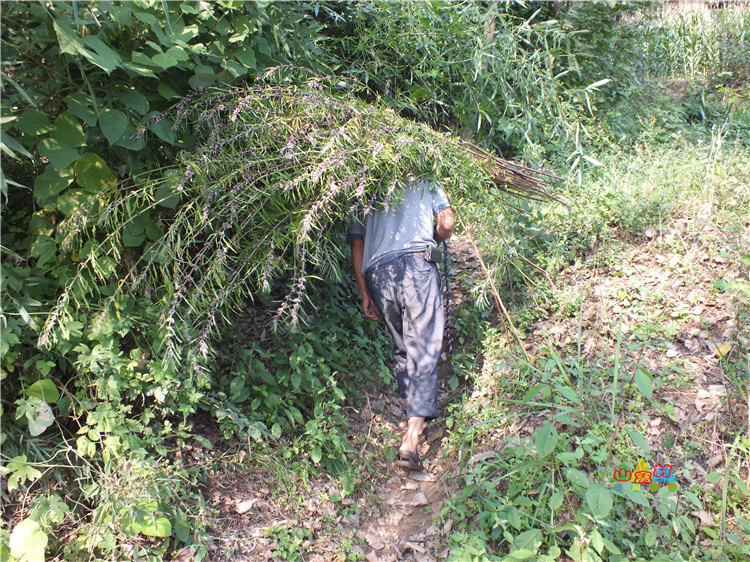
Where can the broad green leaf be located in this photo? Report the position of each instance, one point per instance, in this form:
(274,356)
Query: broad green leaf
(157,527)
(640,498)
(134,100)
(164,60)
(316,454)
(44,389)
(347,483)
(123,15)
(529,540)
(178,53)
(103,56)
(113,123)
(33,122)
(57,152)
(644,382)
(81,106)
(519,554)
(597,540)
(163,130)
(138,69)
(68,130)
(638,439)
(20,471)
(201,80)
(134,232)
(92,173)
(67,38)
(577,477)
(85,446)
(75,200)
(130,139)
(556,500)
(545,439)
(568,393)
(28,542)
(246,56)
(599,500)
(713,477)
(50,183)
(38,414)
(44,249)
(40,224)
(167,92)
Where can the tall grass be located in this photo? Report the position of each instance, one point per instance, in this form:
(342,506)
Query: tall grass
(697,44)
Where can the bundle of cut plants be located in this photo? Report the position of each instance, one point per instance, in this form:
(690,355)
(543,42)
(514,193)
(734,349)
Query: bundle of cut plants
(264,198)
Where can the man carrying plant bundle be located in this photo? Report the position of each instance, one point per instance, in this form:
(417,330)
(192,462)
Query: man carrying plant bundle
(395,255)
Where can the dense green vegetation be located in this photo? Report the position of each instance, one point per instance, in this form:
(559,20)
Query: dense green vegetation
(161,226)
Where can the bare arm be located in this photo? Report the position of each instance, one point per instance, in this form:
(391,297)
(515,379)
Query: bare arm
(444,225)
(358,250)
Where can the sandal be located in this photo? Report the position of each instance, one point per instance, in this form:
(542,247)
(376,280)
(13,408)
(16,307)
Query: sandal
(408,460)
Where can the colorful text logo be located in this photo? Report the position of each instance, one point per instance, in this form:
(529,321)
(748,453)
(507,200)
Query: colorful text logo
(643,478)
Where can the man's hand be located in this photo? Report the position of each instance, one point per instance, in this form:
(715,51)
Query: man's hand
(368,305)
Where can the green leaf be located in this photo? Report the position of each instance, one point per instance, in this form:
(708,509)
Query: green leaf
(163,130)
(556,500)
(599,500)
(316,454)
(38,414)
(157,527)
(33,122)
(545,439)
(164,60)
(57,152)
(246,56)
(597,540)
(520,554)
(167,92)
(68,130)
(28,542)
(347,483)
(103,56)
(134,233)
(113,123)
(528,540)
(138,69)
(577,477)
(44,389)
(67,38)
(568,393)
(713,477)
(44,249)
(50,183)
(644,382)
(20,472)
(202,79)
(80,105)
(75,200)
(92,173)
(638,439)
(134,100)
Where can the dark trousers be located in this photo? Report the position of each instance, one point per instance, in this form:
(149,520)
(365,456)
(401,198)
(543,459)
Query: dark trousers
(408,295)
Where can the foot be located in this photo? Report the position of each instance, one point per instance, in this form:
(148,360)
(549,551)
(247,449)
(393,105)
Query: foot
(408,460)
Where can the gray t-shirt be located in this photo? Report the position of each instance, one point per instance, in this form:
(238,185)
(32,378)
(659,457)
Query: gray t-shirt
(404,228)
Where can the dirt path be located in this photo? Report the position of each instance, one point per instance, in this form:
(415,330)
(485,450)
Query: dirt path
(267,512)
